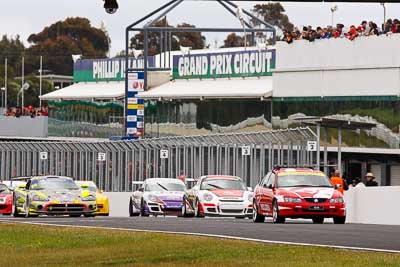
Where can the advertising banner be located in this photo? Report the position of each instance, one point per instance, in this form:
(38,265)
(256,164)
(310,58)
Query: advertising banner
(252,63)
(134,106)
(109,69)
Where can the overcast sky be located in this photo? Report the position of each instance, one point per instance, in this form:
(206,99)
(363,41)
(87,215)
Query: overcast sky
(24,17)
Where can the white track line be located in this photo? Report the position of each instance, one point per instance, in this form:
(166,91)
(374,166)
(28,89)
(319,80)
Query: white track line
(206,235)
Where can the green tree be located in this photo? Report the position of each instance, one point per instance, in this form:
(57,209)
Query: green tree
(233,40)
(274,14)
(59,41)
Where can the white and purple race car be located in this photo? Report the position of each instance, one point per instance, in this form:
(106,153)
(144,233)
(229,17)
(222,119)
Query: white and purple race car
(157,196)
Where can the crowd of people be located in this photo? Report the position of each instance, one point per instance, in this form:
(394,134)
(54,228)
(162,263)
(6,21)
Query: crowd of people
(343,185)
(27,111)
(340,31)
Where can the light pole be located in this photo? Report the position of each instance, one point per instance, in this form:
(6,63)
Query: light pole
(5,83)
(24,87)
(384,16)
(333,10)
(3,89)
(40,81)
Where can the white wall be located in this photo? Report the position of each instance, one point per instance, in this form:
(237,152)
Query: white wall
(338,67)
(23,126)
(370,205)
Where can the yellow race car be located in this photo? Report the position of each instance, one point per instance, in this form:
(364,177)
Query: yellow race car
(103,208)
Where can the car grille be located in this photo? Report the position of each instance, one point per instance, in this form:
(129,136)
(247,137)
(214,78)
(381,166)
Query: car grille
(312,200)
(2,207)
(232,211)
(61,208)
(231,200)
(100,206)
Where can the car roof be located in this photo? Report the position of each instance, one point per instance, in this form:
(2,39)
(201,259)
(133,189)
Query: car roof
(228,177)
(159,180)
(49,177)
(85,182)
(283,171)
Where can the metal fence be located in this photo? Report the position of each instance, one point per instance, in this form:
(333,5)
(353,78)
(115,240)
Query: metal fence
(113,165)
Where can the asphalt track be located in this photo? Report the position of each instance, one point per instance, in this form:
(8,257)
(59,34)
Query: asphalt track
(348,236)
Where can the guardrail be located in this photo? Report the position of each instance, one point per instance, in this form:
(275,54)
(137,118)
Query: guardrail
(113,165)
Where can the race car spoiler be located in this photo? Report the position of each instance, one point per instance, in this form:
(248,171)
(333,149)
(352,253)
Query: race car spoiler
(23,178)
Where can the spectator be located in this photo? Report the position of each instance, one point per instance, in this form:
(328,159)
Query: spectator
(370,179)
(388,26)
(373,29)
(352,34)
(357,183)
(339,182)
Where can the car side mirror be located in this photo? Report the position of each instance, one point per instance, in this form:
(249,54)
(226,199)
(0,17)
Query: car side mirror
(249,189)
(101,191)
(337,186)
(270,186)
(141,189)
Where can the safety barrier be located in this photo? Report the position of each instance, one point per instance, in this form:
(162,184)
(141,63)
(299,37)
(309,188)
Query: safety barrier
(113,165)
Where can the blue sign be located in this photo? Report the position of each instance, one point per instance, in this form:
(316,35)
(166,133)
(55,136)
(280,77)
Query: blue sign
(134,123)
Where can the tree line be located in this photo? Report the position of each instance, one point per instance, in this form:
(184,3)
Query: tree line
(76,36)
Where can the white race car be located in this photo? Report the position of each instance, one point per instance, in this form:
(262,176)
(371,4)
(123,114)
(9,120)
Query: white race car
(157,196)
(218,195)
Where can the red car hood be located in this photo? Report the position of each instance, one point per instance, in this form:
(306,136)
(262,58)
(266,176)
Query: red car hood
(227,193)
(308,192)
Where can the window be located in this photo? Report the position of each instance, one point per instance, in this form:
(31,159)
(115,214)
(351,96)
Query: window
(271,180)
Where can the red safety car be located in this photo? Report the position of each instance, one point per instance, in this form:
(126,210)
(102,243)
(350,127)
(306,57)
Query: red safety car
(6,198)
(297,193)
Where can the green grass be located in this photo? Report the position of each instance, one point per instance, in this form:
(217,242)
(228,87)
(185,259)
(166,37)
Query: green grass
(28,245)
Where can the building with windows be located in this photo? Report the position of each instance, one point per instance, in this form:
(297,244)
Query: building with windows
(239,90)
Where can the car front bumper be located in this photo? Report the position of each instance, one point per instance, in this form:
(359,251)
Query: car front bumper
(227,209)
(310,210)
(67,208)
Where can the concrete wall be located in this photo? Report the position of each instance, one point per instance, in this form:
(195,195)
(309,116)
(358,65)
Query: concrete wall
(338,67)
(372,205)
(23,126)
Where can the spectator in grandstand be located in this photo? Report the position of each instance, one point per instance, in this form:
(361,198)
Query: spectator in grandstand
(365,27)
(353,33)
(387,28)
(287,37)
(370,179)
(374,30)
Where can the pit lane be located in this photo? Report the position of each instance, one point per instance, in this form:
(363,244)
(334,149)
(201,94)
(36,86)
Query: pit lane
(348,236)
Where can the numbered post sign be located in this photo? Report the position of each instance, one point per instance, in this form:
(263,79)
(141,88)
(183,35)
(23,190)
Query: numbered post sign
(43,155)
(246,151)
(164,154)
(101,156)
(312,146)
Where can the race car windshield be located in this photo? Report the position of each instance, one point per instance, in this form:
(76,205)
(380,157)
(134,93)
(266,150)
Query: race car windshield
(165,187)
(228,184)
(303,180)
(4,189)
(53,184)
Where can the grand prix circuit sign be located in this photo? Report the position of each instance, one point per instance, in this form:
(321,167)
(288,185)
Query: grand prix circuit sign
(112,69)
(223,65)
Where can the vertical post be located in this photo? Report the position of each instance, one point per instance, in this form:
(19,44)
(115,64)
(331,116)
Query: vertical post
(5,83)
(326,150)
(126,79)
(40,81)
(340,150)
(318,145)
(22,84)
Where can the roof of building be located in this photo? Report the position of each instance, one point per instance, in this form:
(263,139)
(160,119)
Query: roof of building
(212,89)
(103,90)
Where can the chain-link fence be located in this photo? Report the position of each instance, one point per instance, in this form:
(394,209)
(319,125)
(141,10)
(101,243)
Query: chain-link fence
(113,165)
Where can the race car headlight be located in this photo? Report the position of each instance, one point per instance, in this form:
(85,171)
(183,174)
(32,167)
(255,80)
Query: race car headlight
(153,198)
(39,198)
(207,197)
(89,198)
(250,197)
(336,200)
(292,199)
